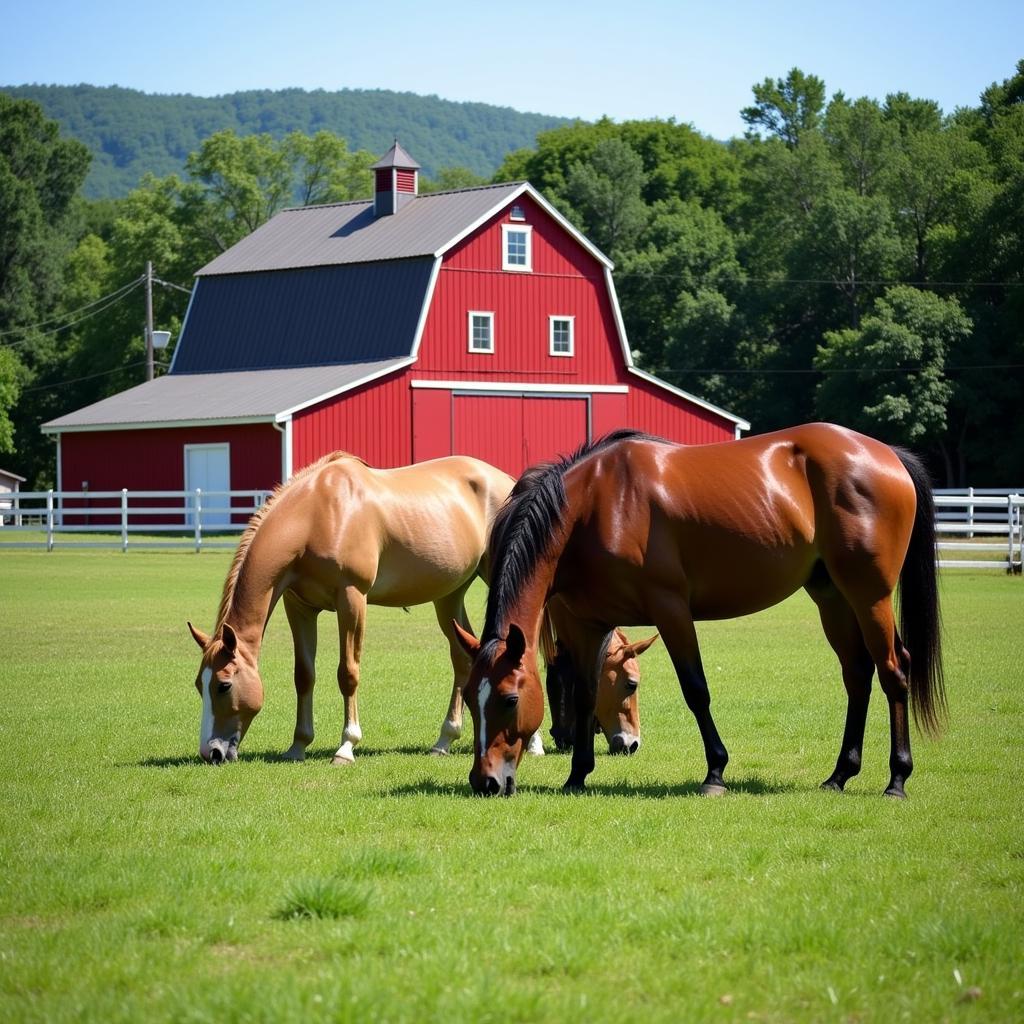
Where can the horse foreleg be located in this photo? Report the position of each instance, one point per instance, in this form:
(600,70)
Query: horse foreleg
(351,624)
(583,663)
(448,608)
(302,620)
(844,636)
(675,623)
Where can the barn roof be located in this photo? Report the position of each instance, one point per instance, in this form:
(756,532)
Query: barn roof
(211,398)
(314,317)
(343,233)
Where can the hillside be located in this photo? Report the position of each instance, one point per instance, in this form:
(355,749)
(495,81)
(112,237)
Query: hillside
(131,132)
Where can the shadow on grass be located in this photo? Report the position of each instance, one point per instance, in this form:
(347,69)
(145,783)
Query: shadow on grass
(644,791)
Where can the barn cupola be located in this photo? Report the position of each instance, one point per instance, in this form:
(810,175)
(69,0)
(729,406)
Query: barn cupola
(395,181)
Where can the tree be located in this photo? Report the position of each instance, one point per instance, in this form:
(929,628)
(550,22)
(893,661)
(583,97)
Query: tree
(606,195)
(10,388)
(787,108)
(888,377)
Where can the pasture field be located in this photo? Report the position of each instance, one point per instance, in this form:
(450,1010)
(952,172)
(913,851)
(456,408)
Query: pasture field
(137,884)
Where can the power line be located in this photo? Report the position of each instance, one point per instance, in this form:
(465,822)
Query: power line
(854,369)
(78,380)
(114,297)
(171,284)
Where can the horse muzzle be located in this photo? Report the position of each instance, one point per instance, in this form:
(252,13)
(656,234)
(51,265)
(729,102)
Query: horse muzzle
(623,743)
(486,783)
(218,751)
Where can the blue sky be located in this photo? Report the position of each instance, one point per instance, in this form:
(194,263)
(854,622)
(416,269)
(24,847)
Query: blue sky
(694,62)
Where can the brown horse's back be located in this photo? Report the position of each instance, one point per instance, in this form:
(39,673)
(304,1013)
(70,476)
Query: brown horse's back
(736,527)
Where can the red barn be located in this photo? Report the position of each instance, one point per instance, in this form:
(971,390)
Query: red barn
(477,321)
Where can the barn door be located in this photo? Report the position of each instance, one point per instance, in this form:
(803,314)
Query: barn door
(515,431)
(208,466)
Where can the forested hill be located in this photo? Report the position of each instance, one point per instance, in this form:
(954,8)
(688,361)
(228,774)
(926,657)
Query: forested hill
(131,132)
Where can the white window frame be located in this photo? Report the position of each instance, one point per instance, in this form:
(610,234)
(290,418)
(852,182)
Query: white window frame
(571,320)
(525,229)
(470,347)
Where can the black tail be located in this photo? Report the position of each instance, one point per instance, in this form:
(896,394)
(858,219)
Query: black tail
(920,621)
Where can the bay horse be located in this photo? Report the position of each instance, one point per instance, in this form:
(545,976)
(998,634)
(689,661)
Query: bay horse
(633,529)
(616,711)
(338,536)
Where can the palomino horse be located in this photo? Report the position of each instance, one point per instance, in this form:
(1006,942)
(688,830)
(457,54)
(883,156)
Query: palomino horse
(340,535)
(633,529)
(616,713)
(337,536)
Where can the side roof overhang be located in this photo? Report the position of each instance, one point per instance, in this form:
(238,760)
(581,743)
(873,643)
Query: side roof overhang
(219,399)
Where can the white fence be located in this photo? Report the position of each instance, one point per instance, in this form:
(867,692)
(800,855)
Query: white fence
(981,521)
(153,519)
(985,523)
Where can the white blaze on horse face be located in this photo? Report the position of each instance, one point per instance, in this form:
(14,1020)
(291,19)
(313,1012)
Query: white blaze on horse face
(206,725)
(482,698)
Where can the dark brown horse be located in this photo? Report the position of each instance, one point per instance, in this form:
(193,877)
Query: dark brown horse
(633,529)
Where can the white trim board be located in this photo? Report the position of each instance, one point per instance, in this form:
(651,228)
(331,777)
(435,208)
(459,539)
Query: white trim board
(520,386)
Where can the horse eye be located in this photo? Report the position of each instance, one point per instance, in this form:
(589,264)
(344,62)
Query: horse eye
(223,687)
(511,700)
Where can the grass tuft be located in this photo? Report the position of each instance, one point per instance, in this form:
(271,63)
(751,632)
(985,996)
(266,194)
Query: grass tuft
(323,899)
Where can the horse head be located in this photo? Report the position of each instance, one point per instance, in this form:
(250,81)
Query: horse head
(507,706)
(232,691)
(617,714)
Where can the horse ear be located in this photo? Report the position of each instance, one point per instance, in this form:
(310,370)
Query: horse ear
(637,649)
(467,641)
(199,636)
(515,644)
(229,638)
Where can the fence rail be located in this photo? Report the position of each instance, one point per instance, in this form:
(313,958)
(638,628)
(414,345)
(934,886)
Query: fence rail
(198,519)
(984,522)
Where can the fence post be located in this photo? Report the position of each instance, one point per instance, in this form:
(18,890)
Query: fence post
(124,518)
(49,520)
(970,513)
(199,519)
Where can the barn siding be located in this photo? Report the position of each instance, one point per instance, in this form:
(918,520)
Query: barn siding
(154,460)
(373,422)
(565,281)
(650,408)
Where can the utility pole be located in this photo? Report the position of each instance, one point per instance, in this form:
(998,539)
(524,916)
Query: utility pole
(149,320)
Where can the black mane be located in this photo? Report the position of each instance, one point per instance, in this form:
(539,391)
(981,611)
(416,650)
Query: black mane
(525,524)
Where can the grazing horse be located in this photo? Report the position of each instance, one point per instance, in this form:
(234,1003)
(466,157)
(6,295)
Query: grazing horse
(616,713)
(340,535)
(633,529)
(337,536)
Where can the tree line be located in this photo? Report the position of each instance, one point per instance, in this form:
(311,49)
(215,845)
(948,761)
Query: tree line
(847,259)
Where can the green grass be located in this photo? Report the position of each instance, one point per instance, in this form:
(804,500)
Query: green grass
(138,884)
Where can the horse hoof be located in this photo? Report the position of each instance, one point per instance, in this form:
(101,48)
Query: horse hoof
(341,759)
(437,752)
(896,794)
(574,787)
(832,786)
(712,789)
(294,755)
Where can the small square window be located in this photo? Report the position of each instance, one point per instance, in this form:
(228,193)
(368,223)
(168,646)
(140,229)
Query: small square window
(516,247)
(517,213)
(561,335)
(481,332)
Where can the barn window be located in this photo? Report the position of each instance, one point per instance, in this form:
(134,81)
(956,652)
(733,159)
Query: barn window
(516,249)
(481,332)
(561,335)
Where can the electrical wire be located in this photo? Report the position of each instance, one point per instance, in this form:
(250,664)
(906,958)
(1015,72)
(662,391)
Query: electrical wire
(114,296)
(78,380)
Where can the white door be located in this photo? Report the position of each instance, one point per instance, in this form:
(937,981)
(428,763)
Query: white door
(208,466)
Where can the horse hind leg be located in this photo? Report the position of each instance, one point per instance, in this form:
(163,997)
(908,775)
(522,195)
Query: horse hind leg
(843,633)
(351,625)
(893,664)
